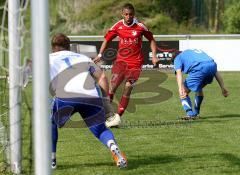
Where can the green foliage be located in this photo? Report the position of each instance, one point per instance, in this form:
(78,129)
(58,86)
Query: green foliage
(161,24)
(231,18)
(163,17)
(94,17)
(177,10)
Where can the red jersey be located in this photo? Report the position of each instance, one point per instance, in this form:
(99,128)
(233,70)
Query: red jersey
(130,41)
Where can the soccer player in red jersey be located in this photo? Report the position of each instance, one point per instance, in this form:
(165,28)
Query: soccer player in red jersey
(128,63)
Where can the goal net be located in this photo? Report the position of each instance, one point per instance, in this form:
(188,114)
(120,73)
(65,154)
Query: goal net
(21,141)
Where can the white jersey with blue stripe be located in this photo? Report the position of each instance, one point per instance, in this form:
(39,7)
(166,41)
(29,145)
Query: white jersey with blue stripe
(80,67)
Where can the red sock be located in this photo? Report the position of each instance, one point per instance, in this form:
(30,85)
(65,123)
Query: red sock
(111,95)
(123,105)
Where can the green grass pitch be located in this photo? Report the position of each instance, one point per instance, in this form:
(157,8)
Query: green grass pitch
(152,136)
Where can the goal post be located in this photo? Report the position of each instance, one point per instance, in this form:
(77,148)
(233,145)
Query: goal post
(41,114)
(15,136)
(14,86)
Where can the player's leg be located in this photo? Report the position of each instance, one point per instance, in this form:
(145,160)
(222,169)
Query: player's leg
(198,101)
(132,74)
(113,119)
(54,144)
(191,83)
(107,138)
(125,98)
(187,104)
(61,112)
(94,118)
(116,80)
(208,70)
(54,135)
(117,77)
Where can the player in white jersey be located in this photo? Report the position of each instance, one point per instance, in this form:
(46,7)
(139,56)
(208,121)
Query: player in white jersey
(75,85)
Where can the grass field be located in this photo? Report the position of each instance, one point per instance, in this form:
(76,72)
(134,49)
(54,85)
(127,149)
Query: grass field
(154,139)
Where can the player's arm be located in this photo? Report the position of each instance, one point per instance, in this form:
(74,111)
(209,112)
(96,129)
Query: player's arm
(112,33)
(181,87)
(153,46)
(103,47)
(221,84)
(102,81)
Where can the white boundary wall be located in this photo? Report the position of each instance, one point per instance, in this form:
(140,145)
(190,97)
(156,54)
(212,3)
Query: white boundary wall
(223,48)
(224,52)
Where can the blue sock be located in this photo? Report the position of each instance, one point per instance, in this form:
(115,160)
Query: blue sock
(102,133)
(54,136)
(187,105)
(197,103)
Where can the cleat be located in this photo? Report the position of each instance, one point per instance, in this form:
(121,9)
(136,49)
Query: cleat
(118,157)
(54,164)
(190,117)
(113,121)
(196,117)
(187,117)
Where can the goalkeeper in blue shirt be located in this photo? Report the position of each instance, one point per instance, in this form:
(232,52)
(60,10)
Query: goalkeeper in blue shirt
(201,70)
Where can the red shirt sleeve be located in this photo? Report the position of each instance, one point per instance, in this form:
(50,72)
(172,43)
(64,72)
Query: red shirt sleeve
(110,34)
(148,35)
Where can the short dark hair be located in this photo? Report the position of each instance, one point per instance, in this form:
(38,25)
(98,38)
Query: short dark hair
(61,40)
(128,6)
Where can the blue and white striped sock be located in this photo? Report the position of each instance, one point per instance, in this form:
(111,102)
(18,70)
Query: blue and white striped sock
(187,105)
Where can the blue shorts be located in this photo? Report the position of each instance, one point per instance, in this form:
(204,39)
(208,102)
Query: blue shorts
(201,75)
(91,110)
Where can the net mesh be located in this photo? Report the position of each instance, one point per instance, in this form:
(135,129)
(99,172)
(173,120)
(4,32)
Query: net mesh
(25,98)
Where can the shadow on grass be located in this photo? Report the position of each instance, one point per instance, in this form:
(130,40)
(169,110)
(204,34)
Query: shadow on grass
(146,160)
(234,160)
(133,162)
(227,116)
(143,161)
(217,118)
(229,157)
(83,165)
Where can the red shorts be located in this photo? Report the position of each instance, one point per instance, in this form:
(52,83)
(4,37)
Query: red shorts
(122,71)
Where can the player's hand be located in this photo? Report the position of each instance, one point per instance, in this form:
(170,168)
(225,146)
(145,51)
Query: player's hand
(225,92)
(155,60)
(182,92)
(97,59)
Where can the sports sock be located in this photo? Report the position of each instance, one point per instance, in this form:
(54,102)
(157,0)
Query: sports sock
(106,136)
(187,105)
(111,95)
(54,137)
(197,103)
(53,155)
(110,143)
(123,105)
(102,133)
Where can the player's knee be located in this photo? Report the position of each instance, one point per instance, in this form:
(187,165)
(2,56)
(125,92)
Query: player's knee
(127,90)
(129,86)
(113,88)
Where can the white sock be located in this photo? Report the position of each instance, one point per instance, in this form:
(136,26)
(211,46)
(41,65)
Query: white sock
(53,155)
(111,144)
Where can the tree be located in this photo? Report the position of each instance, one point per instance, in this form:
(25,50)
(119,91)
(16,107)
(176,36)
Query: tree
(231,18)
